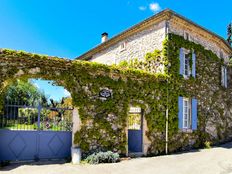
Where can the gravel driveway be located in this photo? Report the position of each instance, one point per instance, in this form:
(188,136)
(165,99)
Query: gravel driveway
(217,160)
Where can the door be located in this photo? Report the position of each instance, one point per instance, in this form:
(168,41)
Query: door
(135,132)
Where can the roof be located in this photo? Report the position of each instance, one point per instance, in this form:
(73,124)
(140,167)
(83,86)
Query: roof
(161,16)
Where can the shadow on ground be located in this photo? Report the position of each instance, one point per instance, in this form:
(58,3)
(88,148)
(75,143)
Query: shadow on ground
(14,165)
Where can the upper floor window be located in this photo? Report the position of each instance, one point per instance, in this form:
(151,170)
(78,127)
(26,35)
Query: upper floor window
(122,46)
(185,58)
(224,76)
(187,71)
(221,55)
(186,35)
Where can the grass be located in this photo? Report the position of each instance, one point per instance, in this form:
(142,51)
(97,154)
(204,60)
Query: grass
(31,127)
(19,127)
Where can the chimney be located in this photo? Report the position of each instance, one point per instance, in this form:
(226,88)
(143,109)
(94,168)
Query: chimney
(104,37)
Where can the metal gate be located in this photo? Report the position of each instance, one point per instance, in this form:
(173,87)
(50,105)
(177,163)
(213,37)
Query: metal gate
(35,132)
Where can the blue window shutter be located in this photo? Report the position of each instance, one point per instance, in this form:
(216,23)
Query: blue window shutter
(194,114)
(194,65)
(181,56)
(180,112)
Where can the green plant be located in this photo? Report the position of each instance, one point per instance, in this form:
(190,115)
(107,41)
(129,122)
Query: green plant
(103,157)
(207,144)
(138,83)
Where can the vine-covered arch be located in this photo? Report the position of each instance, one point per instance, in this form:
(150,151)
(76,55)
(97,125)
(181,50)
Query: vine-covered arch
(108,118)
(84,80)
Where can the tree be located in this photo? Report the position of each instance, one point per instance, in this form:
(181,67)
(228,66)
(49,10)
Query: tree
(24,92)
(229,33)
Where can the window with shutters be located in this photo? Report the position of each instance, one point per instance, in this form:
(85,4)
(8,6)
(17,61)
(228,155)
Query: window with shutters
(187,114)
(185,57)
(187,118)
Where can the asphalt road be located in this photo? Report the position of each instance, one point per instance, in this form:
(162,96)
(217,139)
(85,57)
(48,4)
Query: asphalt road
(217,160)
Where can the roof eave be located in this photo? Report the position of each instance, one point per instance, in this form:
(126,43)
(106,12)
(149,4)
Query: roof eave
(163,15)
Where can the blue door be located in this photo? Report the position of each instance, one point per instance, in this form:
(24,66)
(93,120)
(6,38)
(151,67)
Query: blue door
(135,133)
(35,133)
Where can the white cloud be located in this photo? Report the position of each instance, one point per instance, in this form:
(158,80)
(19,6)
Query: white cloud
(66,93)
(142,8)
(154,7)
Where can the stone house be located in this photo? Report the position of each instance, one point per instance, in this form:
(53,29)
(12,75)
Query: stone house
(205,108)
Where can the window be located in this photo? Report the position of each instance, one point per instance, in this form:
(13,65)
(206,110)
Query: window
(224,76)
(187,114)
(134,118)
(185,57)
(186,35)
(187,71)
(123,46)
(221,55)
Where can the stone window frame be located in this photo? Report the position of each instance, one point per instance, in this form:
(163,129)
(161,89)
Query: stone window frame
(123,46)
(186,36)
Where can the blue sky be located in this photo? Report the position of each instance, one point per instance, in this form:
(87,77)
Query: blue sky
(68,28)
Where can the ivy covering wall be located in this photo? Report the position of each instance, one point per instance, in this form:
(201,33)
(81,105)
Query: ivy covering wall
(139,84)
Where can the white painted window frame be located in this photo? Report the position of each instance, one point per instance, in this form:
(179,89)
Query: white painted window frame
(189,114)
(186,76)
(224,76)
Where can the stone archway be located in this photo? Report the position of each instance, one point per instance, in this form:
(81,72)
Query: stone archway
(14,65)
(100,116)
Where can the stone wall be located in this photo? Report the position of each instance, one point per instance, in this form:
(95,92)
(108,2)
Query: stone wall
(151,38)
(196,35)
(137,46)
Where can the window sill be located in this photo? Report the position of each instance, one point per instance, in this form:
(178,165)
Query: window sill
(186,77)
(124,49)
(186,130)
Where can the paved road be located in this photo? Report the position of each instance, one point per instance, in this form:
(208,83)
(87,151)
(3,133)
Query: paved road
(217,160)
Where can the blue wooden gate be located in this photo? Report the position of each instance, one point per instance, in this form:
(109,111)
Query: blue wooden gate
(135,132)
(35,133)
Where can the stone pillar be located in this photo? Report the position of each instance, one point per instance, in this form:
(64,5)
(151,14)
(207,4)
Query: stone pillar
(146,141)
(75,150)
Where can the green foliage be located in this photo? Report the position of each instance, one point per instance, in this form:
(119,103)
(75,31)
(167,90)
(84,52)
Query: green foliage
(24,92)
(150,84)
(103,157)
(208,145)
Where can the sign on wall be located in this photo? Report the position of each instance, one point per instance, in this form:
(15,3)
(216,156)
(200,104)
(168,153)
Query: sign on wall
(105,94)
(135,110)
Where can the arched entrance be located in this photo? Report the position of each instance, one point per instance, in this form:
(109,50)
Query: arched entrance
(101,95)
(33,131)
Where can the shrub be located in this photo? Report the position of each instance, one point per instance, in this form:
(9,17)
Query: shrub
(103,157)
(207,144)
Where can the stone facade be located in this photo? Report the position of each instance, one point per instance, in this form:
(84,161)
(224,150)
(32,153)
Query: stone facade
(136,46)
(150,39)
(180,27)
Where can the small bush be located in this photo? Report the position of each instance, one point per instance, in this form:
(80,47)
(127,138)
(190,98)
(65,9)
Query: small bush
(103,157)
(207,144)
